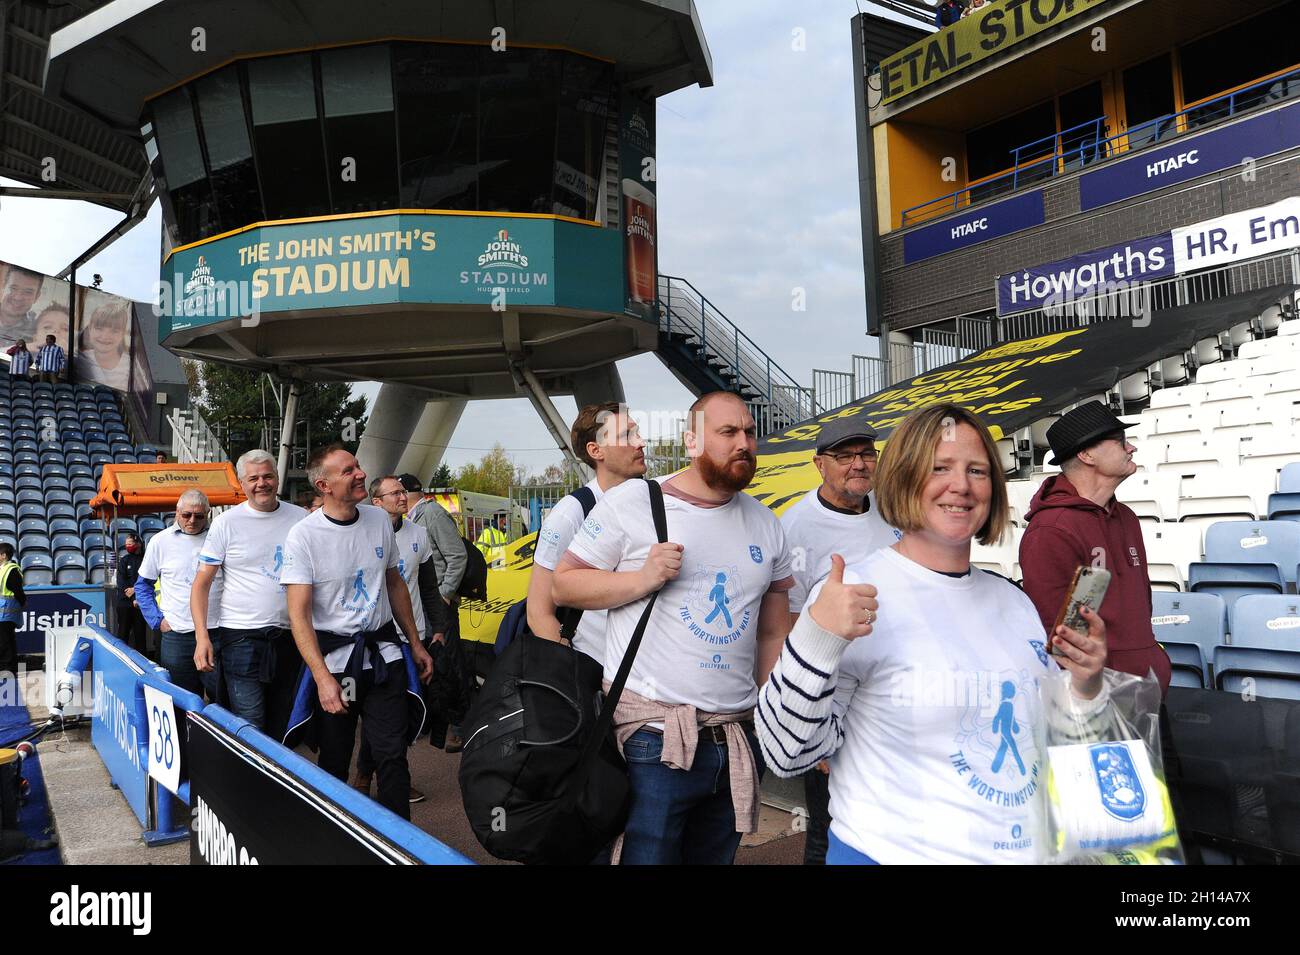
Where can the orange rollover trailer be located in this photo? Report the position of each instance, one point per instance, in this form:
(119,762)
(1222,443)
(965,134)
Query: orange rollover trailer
(126,490)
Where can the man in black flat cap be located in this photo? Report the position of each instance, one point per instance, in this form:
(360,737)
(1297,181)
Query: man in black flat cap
(1075,520)
(837,517)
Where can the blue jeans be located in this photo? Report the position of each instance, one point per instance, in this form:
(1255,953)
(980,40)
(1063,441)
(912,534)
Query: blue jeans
(177,657)
(238,657)
(680,817)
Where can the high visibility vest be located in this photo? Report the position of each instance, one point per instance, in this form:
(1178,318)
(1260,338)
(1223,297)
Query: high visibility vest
(10,612)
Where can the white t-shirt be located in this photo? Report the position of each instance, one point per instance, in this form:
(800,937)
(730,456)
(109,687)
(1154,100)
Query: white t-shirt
(346,564)
(813,532)
(413,549)
(172,559)
(700,644)
(939,704)
(248,544)
(552,541)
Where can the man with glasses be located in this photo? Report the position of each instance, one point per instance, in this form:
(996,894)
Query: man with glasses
(837,517)
(1076,521)
(170,562)
(251,653)
(415,564)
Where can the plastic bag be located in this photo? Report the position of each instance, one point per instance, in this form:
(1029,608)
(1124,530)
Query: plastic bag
(1107,799)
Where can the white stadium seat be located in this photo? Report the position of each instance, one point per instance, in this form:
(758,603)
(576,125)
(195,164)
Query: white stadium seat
(1270,319)
(1170,549)
(1184,396)
(1020,493)
(1176,421)
(1255,349)
(1208,351)
(1135,387)
(1290,328)
(1229,494)
(1222,371)
(1172,371)
(1239,334)
(1272,452)
(1152,496)
(1277,362)
(1187,455)
(1038,430)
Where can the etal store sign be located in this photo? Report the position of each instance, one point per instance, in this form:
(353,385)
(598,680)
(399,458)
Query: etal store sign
(397,258)
(1190,157)
(991,30)
(987,222)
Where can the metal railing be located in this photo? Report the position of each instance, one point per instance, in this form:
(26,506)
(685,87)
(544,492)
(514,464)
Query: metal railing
(193,442)
(1082,145)
(1135,302)
(684,310)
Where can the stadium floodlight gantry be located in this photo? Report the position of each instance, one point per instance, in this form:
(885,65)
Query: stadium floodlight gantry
(453,197)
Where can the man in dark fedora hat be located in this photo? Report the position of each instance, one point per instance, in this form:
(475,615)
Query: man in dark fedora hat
(1075,520)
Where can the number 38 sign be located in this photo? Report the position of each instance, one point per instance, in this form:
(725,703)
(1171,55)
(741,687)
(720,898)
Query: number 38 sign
(164,747)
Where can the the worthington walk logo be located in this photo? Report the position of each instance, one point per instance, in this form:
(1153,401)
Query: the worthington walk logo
(76,908)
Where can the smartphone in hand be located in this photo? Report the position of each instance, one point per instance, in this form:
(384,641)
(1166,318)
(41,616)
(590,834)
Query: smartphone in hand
(1087,588)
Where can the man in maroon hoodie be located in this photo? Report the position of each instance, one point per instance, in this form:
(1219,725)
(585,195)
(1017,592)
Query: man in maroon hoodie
(1075,520)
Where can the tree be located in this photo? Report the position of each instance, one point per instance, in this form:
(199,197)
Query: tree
(442,477)
(493,474)
(240,405)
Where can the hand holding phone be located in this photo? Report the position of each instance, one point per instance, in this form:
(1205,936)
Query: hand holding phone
(1087,589)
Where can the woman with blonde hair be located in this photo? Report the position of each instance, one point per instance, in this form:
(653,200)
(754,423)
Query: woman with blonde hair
(926,701)
(102,347)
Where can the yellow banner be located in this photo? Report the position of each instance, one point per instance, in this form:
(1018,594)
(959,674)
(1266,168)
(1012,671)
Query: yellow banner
(994,28)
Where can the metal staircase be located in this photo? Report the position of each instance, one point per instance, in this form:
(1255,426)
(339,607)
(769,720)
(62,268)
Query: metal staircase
(706,352)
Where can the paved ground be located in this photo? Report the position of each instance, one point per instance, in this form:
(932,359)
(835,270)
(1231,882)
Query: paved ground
(442,815)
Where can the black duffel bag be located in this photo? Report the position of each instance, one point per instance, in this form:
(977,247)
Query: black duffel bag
(542,777)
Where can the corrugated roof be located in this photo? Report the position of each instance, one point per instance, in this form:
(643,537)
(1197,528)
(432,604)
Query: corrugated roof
(89,156)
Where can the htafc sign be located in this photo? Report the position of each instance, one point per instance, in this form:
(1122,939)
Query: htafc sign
(987,222)
(999,26)
(1190,157)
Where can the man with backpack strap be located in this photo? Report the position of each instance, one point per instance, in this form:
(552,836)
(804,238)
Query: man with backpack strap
(606,440)
(685,718)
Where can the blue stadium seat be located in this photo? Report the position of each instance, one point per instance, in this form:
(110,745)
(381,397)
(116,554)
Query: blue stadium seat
(57,495)
(96,568)
(146,524)
(79,470)
(38,569)
(76,458)
(147,537)
(1289,480)
(97,447)
(30,495)
(1255,542)
(64,542)
(92,525)
(82,485)
(74,447)
(28,511)
(8,527)
(123,524)
(1201,619)
(1231,581)
(145,457)
(60,509)
(124,459)
(92,543)
(1270,621)
(100,459)
(54,472)
(119,447)
(1273,673)
(28,482)
(65,525)
(28,543)
(1284,506)
(1188,665)
(69,569)
(8,512)
(28,457)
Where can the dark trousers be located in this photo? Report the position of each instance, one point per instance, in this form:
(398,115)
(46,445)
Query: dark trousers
(284,683)
(130,628)
(817,794)
(383,714)
(8,647)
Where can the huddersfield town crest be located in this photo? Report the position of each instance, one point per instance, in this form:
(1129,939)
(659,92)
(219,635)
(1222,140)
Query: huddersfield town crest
(1122,795)
(756,553)
(379,552)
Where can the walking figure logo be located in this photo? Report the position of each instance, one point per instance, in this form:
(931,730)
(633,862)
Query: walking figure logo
(720,600)
(1004,723)
(359,590)
(279,560)
(401,567)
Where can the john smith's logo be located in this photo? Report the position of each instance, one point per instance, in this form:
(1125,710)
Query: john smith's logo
(1122,795)
(503,266)
(503,251)
(200,279)
(755,553)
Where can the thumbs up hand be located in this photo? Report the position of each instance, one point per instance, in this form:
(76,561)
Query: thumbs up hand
(846,610)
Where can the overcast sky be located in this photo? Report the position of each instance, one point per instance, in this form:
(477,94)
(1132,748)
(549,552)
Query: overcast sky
(757,197)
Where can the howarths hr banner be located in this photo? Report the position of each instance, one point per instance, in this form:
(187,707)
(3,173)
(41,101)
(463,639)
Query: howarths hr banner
(1239,235)
(408,257)
(971,228)
(1086,274)
(637,187)
(991,30)
(1190,157)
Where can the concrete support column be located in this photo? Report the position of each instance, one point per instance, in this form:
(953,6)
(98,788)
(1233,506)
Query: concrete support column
(430,438)
(388,431)
(598,385)
(902,356)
